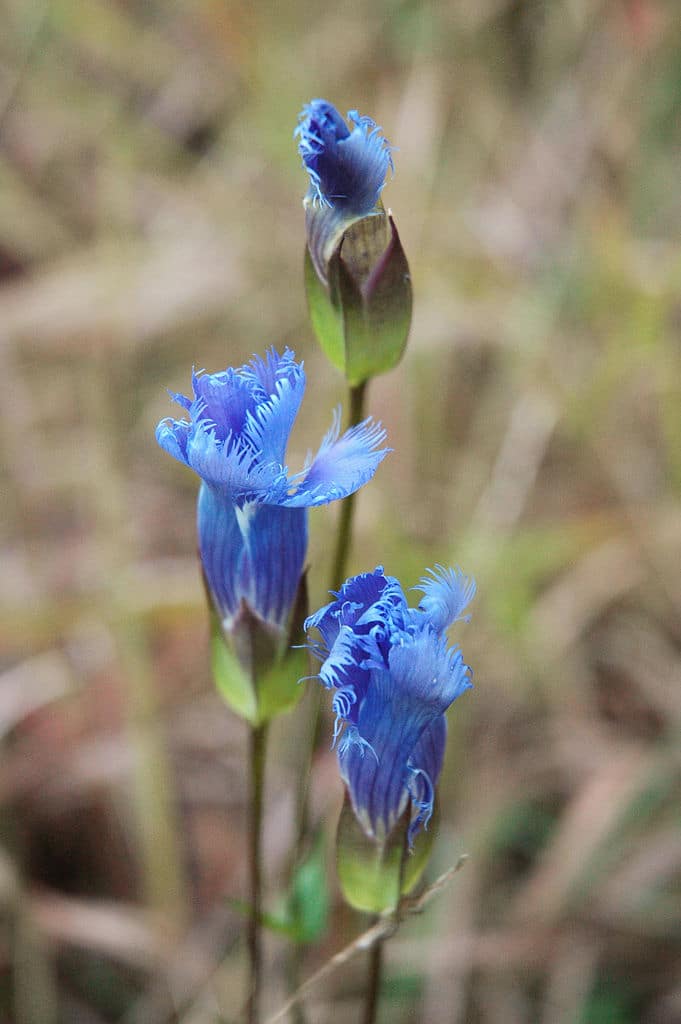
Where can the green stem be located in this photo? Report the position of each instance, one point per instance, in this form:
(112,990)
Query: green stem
(374,981)
(357,397)
(258,745)
(312,738)
(376,955)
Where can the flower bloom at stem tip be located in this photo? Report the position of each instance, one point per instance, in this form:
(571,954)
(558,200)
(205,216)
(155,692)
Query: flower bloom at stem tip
(347,167)
(252,514)
(393,676)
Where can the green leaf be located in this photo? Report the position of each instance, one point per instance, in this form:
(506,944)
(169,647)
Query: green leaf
(279,923)
(309,900)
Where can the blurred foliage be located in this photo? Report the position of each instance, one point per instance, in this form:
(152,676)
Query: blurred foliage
(151,219)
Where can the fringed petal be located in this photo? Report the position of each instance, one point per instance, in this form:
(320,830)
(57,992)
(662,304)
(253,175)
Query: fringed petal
(172,435)
(230,464)
(341,466)
(446,592)
(223,400)
(427,673)
(347,169)
(268,426)
(425,765)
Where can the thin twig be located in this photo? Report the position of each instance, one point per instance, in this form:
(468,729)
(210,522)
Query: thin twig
(381,930)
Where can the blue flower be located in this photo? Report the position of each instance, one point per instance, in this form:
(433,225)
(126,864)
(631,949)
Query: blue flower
(252,515)
(393,676)
(347,168)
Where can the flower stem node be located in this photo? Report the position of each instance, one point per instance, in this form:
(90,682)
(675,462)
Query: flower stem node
(356,272)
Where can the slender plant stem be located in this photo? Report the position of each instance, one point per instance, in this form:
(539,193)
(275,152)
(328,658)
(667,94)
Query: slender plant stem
(312,737)
(375,972)
(357,397)
(374,980)
(258,745)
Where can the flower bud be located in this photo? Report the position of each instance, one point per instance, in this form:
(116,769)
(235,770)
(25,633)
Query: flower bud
(356,273)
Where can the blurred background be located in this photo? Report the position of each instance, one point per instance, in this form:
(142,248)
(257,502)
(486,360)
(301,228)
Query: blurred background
(150,219)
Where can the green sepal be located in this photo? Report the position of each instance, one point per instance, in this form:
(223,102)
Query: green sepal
(327,322)
(255,665)
(374,875)
(377,316)
(233,684)
(361,307)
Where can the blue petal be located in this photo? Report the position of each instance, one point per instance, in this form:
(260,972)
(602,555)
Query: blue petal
(230,464)
(425,673)
(182,400)
(223,400)
(361,602)
(340,467)
(400,703)
(447,592)
(253,554)
(425,765)
(429,753)
(221,547)
(343,704)
(347,169)
(378,786)
(276,542)
(172,435)
(265,374)
(341,661)
(268,426)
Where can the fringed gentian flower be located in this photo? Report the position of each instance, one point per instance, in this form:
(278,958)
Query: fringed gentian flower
(393,676)
(357,264)
(252,515)
(347,168)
